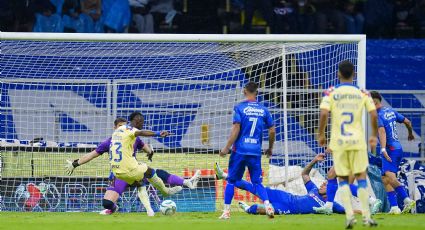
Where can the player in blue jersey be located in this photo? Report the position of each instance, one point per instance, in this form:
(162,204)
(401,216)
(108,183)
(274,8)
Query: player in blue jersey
(392,153)
(285,202)
(250,118)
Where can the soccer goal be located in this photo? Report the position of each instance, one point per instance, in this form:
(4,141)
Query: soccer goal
(60,94)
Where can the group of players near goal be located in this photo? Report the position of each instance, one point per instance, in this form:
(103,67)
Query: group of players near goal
(345,102)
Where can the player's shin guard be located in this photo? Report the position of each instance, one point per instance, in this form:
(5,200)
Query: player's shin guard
(363,196)
(331,189)
(401,192)
(353,189)
(346,199)
(107,204)
(262,193)
(228,195)
(392,198)
(159,184)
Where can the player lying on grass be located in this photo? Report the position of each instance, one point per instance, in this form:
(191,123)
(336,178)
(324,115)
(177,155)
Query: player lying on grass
(117,187)
(392,153)
(285,202)
(331,189)
(346,103)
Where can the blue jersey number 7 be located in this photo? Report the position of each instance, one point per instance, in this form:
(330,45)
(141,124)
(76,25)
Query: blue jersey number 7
(346,122)
(117,152)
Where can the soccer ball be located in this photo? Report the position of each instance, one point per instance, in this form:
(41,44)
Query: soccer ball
(168,207)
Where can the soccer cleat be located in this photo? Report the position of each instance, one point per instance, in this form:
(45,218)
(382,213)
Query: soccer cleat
(323,210)
(243,205)
(409,206)
(349,223)
(219,173)
(269,210)
(394,210)
(109,211)
(369,223)
(375,207)
(225,215)
(195,179)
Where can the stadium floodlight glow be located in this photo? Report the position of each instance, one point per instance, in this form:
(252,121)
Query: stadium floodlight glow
(68,88)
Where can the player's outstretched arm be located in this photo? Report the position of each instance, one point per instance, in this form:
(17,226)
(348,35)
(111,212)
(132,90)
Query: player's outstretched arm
(307,169)
(374,123)
(71,165)
(409,128)
(383,141)
(149,133)
(323,122)
(272,138)
(234,133)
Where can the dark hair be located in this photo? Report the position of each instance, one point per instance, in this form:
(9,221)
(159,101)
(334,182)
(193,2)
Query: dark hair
(119,120)
(134,114)
(376,95)
(346,68)
(251,87)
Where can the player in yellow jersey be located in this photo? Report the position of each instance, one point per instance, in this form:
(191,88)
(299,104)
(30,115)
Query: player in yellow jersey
(346,103)
(125,166)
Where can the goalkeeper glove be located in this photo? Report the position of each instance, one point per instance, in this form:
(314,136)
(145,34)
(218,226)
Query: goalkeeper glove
(150,154)
(70,166)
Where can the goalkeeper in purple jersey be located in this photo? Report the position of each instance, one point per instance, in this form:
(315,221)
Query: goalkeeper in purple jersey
(117,186)
(285,202)
(392,153)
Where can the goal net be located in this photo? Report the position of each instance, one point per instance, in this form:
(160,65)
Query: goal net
(60,94)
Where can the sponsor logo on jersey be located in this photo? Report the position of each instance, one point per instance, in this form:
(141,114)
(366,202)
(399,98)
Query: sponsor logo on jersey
(389,115)
(251,111)
(338,97)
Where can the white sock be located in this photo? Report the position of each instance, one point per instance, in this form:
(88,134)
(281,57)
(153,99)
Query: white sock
(372,200)
(329,204)
(407,200)
(187,182)
(266,202)
(226,207)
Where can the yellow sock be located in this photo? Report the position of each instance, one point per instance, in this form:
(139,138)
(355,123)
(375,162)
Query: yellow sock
(346,199)
(363,195)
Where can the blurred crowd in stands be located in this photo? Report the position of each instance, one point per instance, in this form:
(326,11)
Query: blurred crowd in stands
(376,18)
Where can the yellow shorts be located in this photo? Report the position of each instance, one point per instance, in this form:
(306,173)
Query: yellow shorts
(133,175)
(350,162)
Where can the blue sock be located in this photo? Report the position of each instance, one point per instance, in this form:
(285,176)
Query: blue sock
(353,189)
(331,189)
(245,185)
(261,192)
(361,183)
(228,193)
(401,192)
(252,209)
(392,198)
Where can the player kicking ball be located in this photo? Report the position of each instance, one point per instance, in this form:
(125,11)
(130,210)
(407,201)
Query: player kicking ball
(250,118)
(392,153)
(117,186)
(285,203)
(346,102)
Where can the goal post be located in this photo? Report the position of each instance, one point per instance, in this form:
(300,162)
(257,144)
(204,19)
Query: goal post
(60,94)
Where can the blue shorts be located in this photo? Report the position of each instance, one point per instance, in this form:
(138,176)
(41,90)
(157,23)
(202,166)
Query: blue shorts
(237,164)
(396,156)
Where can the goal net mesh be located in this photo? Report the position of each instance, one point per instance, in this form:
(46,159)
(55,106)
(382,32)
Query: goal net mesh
(59,100)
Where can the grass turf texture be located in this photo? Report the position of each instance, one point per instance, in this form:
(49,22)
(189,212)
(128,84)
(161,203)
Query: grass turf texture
(198,221)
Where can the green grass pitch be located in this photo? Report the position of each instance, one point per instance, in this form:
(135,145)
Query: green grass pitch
(193,221)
